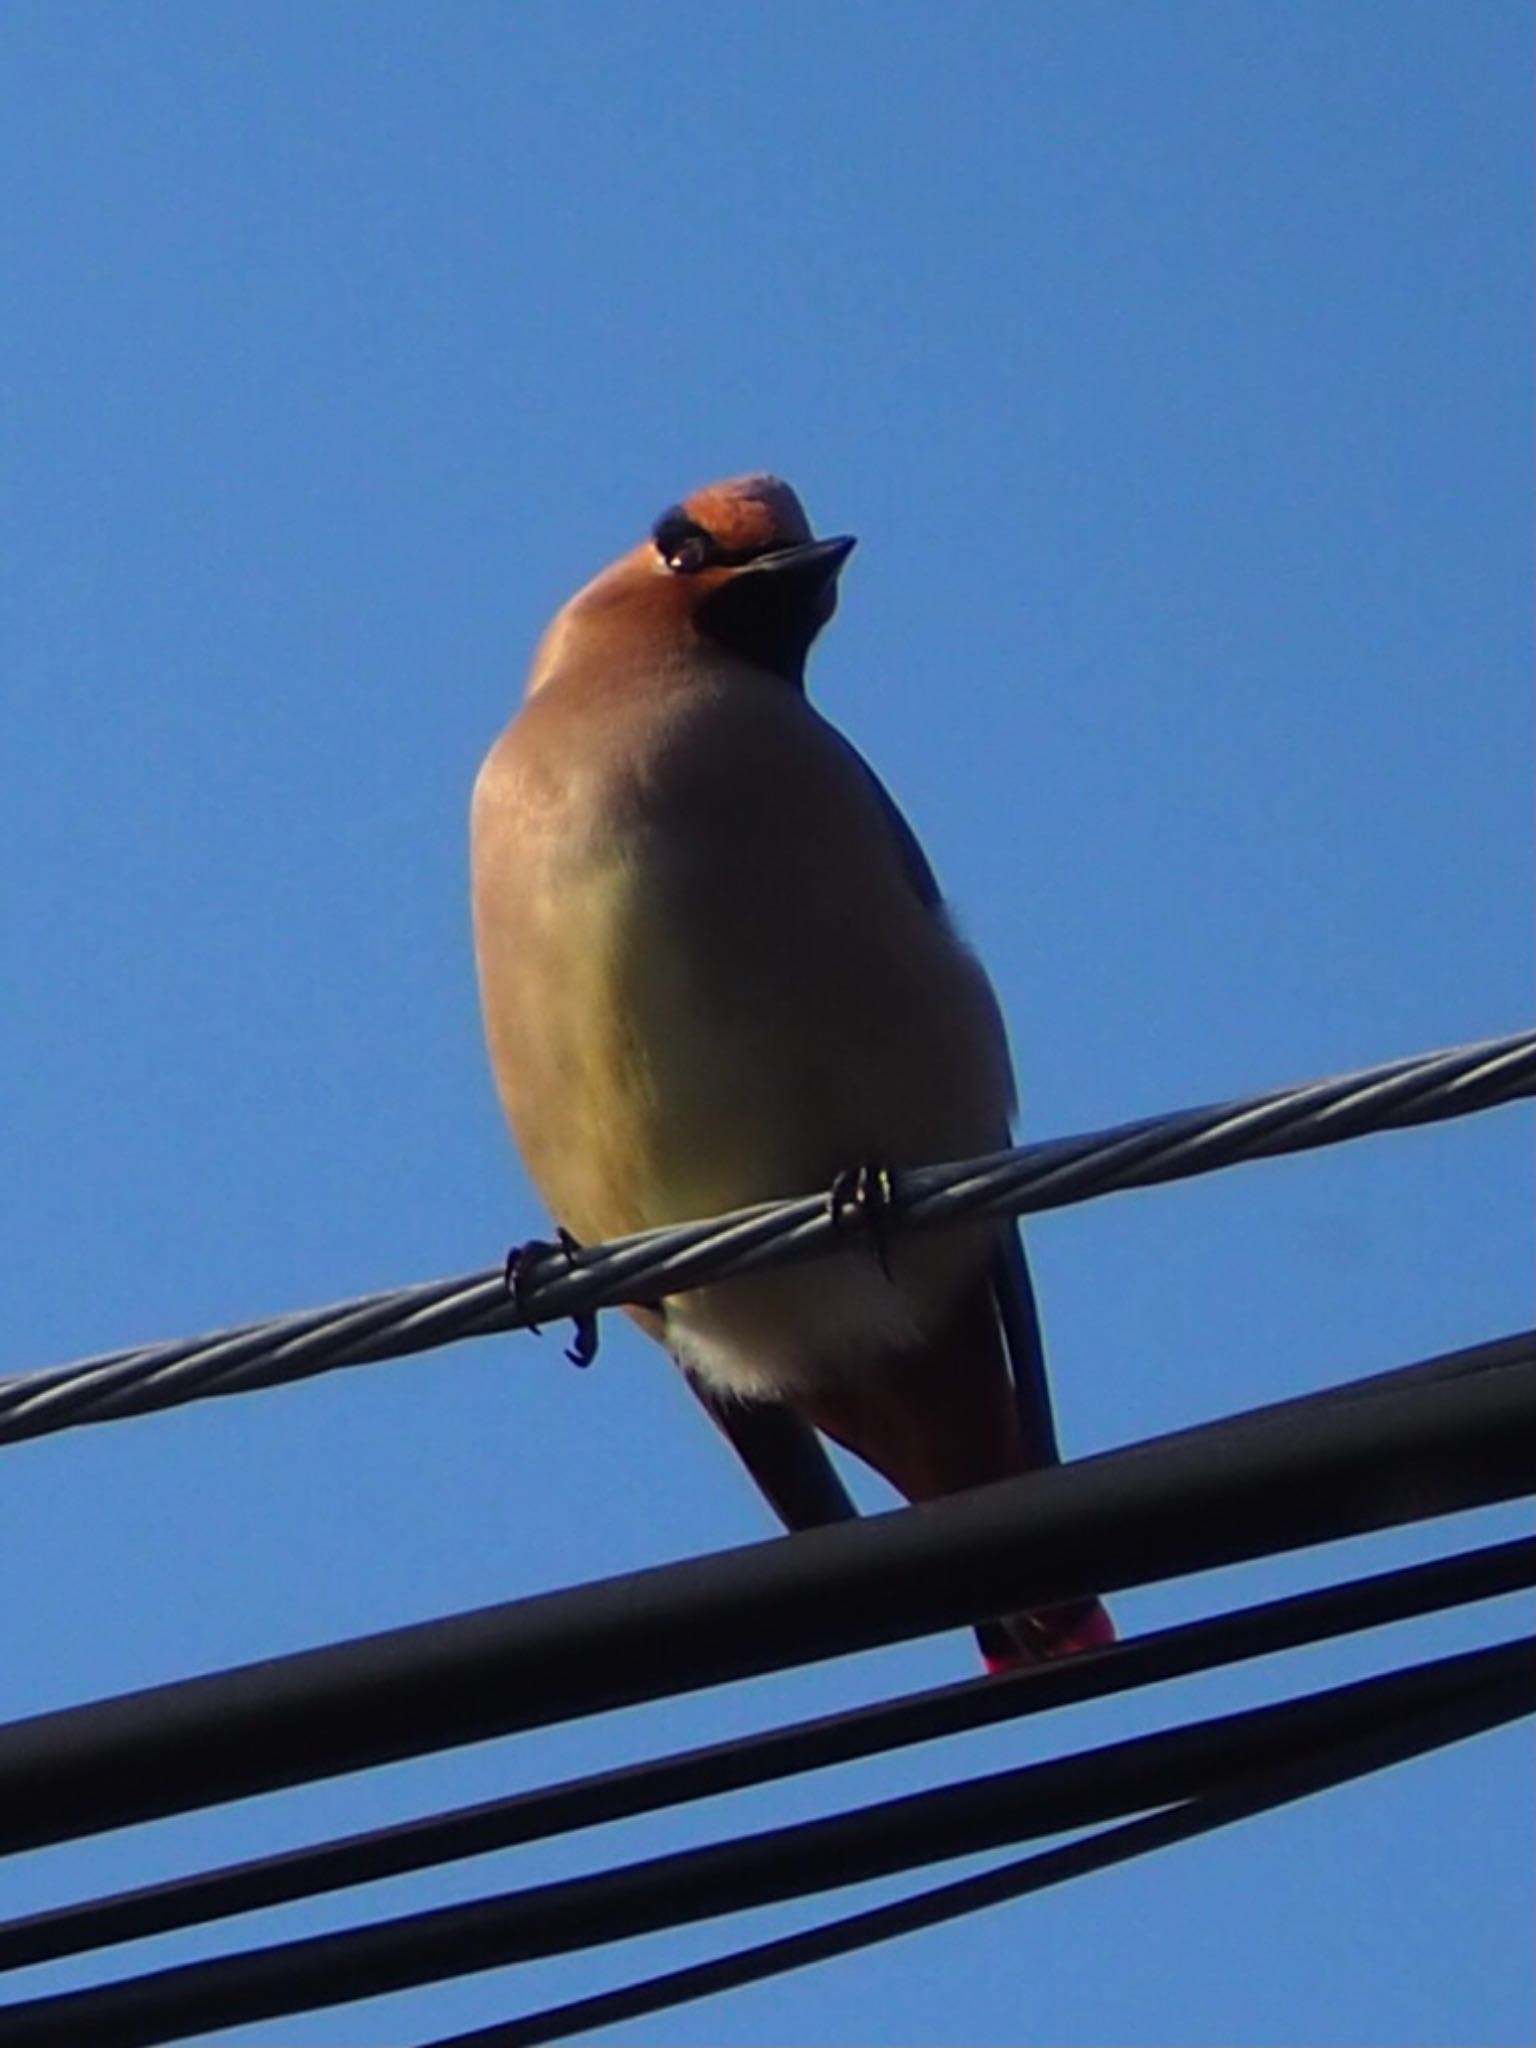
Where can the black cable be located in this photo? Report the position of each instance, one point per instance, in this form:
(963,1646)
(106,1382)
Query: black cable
(1267,1481)
(1252,1793)
(789,1862)
(722,1767)
(1274,1479)
(1425,1089)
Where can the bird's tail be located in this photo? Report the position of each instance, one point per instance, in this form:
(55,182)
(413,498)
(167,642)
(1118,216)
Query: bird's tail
(1040,1638)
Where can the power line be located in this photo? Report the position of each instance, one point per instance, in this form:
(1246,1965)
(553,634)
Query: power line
(795,1861)
(1429,1088)
(1205,1645)
(1459,1432)
(1454,1432)
(1257,1791)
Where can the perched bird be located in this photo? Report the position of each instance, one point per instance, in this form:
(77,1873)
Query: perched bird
(716,969)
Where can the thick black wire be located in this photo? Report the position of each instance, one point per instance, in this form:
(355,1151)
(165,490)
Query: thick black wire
(1426,1089)
(1272,1480)
(704,1773)
(1247,1795)
(764,1868)
(690,1885)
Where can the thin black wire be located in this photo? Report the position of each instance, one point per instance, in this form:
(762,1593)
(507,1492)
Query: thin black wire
(819,1744)
(690,1885)
(1428,1088)
(1250,1794)
(1298,1474)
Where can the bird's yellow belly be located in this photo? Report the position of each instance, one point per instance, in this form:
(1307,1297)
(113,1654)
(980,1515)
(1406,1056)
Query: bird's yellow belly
(674,1070)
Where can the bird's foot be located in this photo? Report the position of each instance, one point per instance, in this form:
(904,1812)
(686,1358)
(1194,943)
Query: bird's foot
(865,1196)
(583,1346)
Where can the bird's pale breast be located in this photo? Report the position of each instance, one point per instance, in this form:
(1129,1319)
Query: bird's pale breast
(709,981)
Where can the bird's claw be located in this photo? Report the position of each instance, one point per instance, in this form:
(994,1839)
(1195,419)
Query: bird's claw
(583,1346)
(865,1196)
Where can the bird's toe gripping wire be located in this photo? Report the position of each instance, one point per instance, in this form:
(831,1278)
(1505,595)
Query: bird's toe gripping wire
(864,1197)
(521,1268)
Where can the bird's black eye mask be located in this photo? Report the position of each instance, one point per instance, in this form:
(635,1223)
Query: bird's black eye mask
(686,547)
(768,618)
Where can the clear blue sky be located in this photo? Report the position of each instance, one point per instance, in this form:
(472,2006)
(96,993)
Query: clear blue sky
(1171,362)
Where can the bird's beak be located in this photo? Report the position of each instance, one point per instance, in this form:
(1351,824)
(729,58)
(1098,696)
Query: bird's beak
(812,564)
(770,609)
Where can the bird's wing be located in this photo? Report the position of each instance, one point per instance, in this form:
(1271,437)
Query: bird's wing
(914,862)
(1013,1290)
(1018,1312)
(785,1458)
(783,1454)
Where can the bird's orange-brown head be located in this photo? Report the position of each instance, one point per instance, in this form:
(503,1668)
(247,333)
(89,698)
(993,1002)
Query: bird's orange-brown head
(734,566)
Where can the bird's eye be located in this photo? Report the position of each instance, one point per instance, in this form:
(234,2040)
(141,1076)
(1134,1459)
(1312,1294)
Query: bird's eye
(689,554)
(683,544)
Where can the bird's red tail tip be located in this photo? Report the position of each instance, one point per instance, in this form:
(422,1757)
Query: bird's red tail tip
(1055,1633)
(1093,1629)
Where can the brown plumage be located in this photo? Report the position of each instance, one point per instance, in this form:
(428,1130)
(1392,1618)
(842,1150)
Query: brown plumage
(716,970)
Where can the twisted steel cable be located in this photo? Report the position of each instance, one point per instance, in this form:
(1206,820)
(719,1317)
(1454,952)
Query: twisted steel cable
(1428,1088)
